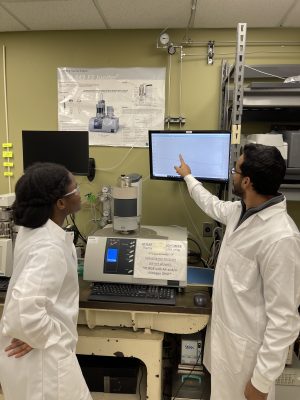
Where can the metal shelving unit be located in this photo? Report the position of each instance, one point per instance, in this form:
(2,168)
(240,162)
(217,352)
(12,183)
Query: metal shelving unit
(271,101)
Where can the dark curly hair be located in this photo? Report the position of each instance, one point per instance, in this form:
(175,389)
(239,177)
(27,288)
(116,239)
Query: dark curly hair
(265,167)
(36,193)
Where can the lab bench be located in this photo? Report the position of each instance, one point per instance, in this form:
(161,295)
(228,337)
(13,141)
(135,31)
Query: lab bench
(134,330)
(137,330)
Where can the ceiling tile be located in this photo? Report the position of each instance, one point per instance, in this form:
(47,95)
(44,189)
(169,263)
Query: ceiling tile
(56,14)
(145,14)
(8,23)
(227,14)
(292,19)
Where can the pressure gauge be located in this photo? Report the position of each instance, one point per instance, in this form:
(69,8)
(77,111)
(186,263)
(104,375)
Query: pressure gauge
(171,49)
(164,38)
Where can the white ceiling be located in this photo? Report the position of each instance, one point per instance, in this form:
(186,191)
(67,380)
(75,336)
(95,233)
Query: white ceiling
(36,15)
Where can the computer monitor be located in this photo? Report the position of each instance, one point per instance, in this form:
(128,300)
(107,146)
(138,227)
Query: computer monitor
(206,152)
(68,148)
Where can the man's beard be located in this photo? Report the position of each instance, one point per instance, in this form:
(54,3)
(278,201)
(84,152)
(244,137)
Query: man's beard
(237,190)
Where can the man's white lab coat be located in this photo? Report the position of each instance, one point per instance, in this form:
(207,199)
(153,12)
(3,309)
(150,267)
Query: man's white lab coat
(41,309)
(255,298)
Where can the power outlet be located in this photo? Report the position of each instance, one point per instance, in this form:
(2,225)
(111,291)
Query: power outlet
(207,229)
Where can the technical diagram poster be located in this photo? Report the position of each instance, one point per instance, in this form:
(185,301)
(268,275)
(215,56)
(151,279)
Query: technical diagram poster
(116,105)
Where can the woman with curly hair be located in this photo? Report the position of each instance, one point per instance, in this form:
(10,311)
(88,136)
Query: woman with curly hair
(38,332)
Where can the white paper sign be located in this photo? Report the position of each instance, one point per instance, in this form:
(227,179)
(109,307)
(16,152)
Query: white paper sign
(116,105)
(160,259)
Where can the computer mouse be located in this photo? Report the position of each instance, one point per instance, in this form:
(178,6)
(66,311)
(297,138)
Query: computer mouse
(201,299)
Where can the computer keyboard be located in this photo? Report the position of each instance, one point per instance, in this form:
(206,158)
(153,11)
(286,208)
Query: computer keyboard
(128,293)
(4,284)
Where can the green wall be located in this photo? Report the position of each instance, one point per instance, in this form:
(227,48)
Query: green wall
(31,62)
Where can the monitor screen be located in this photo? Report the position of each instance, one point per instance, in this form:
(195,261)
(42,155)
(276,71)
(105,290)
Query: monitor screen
(206,152)
(68,148)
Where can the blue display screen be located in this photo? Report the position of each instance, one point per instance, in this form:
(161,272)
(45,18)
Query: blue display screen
(112,255)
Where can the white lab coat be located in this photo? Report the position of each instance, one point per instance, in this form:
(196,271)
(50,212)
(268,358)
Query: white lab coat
(41,308)
(255,298)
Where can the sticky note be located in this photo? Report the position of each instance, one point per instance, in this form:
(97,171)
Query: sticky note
(7,154)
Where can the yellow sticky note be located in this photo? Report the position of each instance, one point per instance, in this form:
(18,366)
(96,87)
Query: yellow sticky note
(6,145)
(8,164)
(235,134)
(159,246)
(7,154)
(8,173)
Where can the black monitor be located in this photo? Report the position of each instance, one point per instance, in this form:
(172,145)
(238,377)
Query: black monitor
(68,148)
(206,152)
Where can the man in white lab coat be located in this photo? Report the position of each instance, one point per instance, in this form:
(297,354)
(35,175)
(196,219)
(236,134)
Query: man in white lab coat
(38,332)
(257,279)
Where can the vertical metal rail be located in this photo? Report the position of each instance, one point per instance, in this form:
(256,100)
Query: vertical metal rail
(238,93)
(224,95)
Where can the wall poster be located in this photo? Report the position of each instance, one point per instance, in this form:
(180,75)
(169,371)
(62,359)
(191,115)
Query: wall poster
(116,105)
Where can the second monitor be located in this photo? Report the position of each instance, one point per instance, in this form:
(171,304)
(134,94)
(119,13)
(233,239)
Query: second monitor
(68,148)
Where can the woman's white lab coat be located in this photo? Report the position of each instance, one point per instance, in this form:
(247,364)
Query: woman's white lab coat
(255,298)
(41,309)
